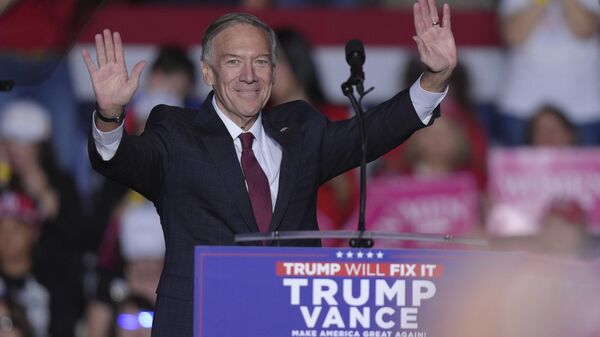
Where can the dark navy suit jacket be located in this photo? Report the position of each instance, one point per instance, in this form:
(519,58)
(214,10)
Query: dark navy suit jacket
(186,164)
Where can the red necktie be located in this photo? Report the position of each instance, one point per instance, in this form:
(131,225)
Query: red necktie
(258,184)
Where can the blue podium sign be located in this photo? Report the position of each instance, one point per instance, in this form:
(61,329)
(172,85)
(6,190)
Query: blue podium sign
(299,292)
(325,292)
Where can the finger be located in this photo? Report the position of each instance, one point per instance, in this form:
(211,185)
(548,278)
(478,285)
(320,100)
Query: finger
(136,73)
(100,51)
(433,11)
(91,67)
(426,14)
(425,11)
(110,49)
(446,23)
(418,18)
(119,51)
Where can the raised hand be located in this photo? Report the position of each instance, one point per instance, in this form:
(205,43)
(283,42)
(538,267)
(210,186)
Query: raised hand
(112,85)
(435,42)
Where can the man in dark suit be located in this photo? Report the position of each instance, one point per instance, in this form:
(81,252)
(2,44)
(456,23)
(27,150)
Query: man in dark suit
(234,166)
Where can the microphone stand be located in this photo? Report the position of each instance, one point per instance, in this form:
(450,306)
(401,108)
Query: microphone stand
(360,241)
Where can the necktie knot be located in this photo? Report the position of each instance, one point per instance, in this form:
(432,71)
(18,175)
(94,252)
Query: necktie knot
(246,138)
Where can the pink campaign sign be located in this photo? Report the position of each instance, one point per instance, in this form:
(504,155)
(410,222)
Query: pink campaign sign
(443,205)
(524,183)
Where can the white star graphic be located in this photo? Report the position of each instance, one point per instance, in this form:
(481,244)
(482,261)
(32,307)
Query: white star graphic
(349,255)
(339,254)
(379,255)
(369,255)
(360,255)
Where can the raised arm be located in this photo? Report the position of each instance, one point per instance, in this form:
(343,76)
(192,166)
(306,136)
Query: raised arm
(517,27)
(112,84)
(435,42)
(581,21)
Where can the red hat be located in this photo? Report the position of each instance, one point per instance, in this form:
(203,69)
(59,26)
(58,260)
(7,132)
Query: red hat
(568,209)
(18,205)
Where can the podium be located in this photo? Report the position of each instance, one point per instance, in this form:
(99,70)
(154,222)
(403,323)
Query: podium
(287,292)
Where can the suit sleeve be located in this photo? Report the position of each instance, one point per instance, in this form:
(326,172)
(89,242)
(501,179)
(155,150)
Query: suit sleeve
(140,161)
(387,126)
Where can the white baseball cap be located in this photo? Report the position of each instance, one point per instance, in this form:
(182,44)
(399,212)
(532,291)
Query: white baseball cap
(141,234)
(25,121)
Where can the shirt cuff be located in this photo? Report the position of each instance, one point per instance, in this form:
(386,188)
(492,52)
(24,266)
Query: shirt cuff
(425,101)
(106,143)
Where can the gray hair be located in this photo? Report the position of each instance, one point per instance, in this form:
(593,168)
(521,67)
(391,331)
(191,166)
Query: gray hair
(232,19)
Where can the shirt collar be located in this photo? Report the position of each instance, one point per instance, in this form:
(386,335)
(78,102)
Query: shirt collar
(234,130)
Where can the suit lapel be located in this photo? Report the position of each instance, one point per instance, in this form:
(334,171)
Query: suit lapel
(213,134)
(290,141)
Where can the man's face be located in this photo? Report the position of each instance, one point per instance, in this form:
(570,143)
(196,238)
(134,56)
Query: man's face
(241,72)
(16,238)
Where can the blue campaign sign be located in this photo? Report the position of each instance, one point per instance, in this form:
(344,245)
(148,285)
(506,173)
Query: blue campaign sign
(294,292)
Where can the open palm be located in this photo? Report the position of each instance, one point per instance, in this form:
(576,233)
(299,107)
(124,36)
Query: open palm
(434,38)
(112,85)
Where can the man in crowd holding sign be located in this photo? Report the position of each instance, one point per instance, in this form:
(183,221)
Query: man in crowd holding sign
(234,166)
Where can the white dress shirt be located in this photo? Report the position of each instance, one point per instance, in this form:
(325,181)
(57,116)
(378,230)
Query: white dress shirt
(266,150)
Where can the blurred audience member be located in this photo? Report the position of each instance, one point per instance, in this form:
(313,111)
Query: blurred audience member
(142,246)
(170,82)
(564,229)
(564,224)
(563,232)
(554,59)
(443,149)
(296,71)
(136,266)
(19,232)
(550,127)
(25,131)
(25,127)
(297,80)
(455,143)
(429,150)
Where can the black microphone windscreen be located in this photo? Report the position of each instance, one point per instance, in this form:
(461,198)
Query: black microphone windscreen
(355,53)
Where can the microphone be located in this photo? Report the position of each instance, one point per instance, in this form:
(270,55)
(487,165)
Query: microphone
(355,56)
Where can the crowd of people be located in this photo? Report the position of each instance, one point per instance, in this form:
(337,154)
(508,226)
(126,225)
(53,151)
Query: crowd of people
(85,260)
